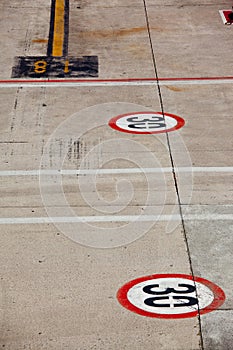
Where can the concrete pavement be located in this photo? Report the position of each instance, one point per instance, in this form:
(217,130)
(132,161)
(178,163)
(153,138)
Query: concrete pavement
(86,208)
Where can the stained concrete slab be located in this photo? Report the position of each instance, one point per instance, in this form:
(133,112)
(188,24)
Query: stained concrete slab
(217,330)
(100,34)
(207,188)
(123,48)
(209,243)
(192,41)
(206,110)
(35,308)
(19,32)
(74,306)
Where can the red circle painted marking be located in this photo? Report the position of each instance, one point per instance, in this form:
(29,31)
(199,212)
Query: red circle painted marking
(175,122)
(210,296)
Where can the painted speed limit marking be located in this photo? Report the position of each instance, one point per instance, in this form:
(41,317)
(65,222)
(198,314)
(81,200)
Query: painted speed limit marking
(170,296)
(146,122)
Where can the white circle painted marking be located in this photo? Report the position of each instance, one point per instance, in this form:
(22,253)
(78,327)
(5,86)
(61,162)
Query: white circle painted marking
(146,123)
(170,304)
(170,296)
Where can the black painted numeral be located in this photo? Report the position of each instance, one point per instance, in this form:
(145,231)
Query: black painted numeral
(165,294)
(56,67)
(154,122)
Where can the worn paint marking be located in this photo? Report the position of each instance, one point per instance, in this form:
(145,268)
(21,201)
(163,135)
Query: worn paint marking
(40,41)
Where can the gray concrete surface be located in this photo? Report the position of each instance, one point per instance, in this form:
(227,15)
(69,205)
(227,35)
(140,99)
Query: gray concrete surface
(60,293)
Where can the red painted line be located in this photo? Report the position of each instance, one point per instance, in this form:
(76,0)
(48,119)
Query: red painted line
(75,80)
(25,81)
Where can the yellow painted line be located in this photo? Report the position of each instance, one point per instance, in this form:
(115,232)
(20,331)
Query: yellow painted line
(66,70)
(59,26)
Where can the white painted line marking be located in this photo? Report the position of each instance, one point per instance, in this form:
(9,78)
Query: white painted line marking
(112,218)
(82,84)
(118,83)
(196,82)
(141,293)
(222,16)
(116,171)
